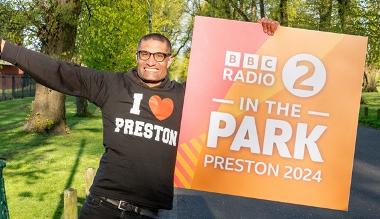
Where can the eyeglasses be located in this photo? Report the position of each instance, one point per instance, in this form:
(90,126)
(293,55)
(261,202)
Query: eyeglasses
(158,56)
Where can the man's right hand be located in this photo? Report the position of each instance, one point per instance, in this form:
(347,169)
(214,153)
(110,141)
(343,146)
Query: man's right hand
(269,26)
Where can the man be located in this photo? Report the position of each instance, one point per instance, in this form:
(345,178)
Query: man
(141,111)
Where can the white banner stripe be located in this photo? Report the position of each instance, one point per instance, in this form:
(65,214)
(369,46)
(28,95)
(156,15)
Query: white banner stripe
(314,113)
(223,101)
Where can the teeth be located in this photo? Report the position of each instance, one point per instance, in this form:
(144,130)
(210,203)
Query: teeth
(151,69)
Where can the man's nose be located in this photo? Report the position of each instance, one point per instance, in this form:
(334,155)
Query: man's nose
(151,61)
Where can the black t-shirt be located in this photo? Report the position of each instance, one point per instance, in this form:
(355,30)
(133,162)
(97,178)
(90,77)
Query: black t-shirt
(140,125)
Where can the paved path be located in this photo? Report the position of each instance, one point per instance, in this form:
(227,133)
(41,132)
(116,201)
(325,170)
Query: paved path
(364,198)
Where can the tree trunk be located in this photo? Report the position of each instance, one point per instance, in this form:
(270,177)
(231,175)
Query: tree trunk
(262,9)
(238,9)
(325,10)
(343,7)
(82,105)
(254,10)
(57,36)
(284,12)
(48,112)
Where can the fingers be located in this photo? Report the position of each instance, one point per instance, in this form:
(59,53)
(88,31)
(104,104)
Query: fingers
(269,26)
(274,25)
(264,24)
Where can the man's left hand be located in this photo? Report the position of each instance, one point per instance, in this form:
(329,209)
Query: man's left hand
(269,26)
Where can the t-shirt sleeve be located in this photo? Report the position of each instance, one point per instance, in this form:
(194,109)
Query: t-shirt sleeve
(61,76)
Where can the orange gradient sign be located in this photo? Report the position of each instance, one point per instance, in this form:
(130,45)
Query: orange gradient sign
(267,117)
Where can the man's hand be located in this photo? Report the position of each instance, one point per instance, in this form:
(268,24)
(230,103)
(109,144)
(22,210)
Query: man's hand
(269,26)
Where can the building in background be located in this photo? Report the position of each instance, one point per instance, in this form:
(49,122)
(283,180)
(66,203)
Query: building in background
(7,68)
(14,83)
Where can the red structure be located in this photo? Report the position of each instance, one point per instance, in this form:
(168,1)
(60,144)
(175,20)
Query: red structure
(14,83)
(8,70)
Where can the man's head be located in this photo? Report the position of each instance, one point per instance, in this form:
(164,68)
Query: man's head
(153,58)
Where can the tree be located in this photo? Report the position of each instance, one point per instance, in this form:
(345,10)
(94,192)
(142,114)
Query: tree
(168,18)
(57,32)
(49,26)
(283,12)
(13,22)
(109,30)
(262,8)
(325,11)
(342,11)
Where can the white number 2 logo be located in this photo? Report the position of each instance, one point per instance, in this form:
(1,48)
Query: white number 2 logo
(304,75)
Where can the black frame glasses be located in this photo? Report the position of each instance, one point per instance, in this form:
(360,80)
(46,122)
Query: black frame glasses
(158,56)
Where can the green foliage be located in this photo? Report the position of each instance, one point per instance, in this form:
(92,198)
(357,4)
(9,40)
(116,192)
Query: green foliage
(109,29)
(37,23)
(109,32)
(167,17)
(180,67)
(245,10)
(14,20)
(372,102)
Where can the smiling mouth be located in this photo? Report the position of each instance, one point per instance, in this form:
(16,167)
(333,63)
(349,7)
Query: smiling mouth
(151,69)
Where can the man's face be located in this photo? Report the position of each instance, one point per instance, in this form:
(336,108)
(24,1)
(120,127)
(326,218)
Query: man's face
(151,71)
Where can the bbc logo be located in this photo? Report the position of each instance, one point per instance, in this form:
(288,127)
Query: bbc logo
(250,61)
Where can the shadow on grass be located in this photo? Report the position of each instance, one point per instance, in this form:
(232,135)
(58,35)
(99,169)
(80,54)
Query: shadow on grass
(59,209)
(9,149)
(24,151)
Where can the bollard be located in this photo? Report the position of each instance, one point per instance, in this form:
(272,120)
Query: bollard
(70,209)
(4,214)
(89,177)
(365,111)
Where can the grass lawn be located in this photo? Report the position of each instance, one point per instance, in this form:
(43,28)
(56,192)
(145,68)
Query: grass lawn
(372,101)
(40,167)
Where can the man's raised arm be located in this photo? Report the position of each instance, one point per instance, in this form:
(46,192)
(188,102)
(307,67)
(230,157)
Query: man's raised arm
(61,76)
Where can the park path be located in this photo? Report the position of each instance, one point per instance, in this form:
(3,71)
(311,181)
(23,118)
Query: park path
(364,198)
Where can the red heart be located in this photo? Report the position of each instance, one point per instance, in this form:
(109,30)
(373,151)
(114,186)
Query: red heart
(161,108)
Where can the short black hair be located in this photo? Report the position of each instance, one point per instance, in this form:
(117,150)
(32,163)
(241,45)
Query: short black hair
(156,36)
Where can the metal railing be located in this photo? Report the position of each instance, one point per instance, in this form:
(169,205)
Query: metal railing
(4,214)
(16,86)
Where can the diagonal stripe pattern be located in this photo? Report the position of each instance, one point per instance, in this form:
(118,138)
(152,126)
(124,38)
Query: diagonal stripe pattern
(187,159)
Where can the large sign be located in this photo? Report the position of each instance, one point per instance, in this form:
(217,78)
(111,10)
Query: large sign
(267,117)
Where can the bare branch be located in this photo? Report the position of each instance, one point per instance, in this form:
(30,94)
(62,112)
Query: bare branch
(183,43)
(239,11)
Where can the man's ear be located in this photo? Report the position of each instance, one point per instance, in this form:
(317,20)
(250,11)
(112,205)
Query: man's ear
(170,60)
